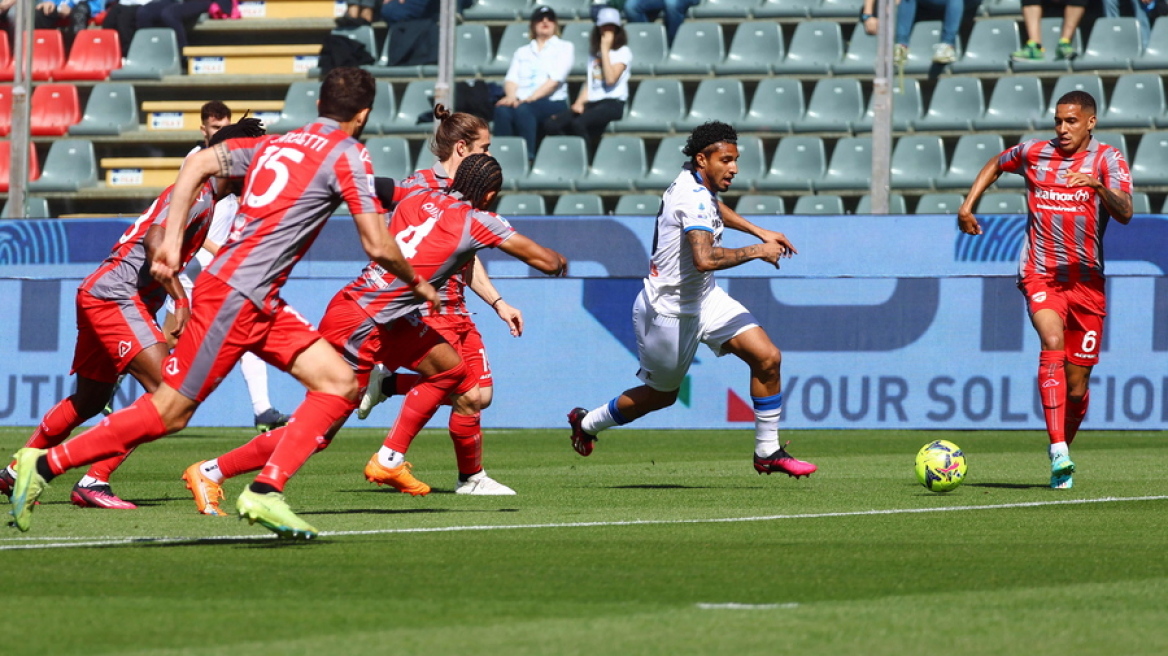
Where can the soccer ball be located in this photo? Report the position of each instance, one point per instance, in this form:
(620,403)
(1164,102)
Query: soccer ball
(940,466)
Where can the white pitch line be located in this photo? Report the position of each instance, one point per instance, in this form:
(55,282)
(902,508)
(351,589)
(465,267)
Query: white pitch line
(105,541)
(736,606)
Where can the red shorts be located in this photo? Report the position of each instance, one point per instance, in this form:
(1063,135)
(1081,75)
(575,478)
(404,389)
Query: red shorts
(1081,306)
(463,335)
(110,334)
(225,323)
(362,342)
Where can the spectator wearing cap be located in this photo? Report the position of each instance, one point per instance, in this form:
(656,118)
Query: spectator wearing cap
(536,85)
(644,11)
(602,98)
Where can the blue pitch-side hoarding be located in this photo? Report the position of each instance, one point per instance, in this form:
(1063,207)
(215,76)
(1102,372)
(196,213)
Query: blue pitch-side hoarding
(884,322)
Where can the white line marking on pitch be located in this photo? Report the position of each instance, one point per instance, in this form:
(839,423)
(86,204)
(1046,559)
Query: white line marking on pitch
(106,541)
(734,606)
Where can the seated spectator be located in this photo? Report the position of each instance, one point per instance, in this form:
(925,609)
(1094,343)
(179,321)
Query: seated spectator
(359,12)
(673,11)
(122,17)
(1073,11)
(955,16)
(400,11)
(603,96)
(181,15)
(71,16)
(536,85)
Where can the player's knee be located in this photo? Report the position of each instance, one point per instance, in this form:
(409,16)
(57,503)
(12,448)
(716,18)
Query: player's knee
(469,402)
(769,359)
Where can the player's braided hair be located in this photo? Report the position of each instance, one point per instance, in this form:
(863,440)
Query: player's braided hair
(707,134)
(452,128)
(478,175)
(244,127)
(1080,98)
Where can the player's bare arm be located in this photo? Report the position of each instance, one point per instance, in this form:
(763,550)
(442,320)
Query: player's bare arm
(1118,203)
(196,170)
(382,249)
(481,284)
(182,307)
(988,175)
(736,221)
(708,257)
(534,255)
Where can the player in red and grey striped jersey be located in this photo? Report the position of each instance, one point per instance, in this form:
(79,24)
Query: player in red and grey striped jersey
(1075,184)
(293,184)
(117,332)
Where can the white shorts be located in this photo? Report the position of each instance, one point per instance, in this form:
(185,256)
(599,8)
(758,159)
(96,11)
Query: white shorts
(666,345)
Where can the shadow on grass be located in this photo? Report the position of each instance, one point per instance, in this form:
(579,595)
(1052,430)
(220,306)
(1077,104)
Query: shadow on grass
(1008,486)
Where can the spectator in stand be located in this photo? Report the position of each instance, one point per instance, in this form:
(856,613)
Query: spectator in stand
(71,16)
(122,17)
(398,11)
(536,85)
(359,12)
(673,11)
(1073,11)
(602,98)
(955,16)
(181,15)
(1145,12)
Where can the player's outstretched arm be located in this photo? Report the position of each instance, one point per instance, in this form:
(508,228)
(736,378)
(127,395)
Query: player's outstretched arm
(531,253)
(481,284)
(988,175)
(382,249)
(707,257)
(196,170)
(182,306)
(736,221)
(1117,203)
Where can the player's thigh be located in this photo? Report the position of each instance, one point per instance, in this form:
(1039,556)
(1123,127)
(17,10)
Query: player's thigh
(474,355)
(665,346)
(1085,323)
(110,334)
(723,319)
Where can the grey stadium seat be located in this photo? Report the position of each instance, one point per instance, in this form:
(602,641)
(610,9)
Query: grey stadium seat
(497,10)
(786,8)
(798,164)
(1001,203)
(153,54)
(957,102)
(907,107)
(514,37)
(666,166)
(990,44)
(751,162)
(1113,44)
(835,104)
(620,161)
(757,45)
(112,109)
(819,204)
(1136,102)
(724,8)
(777,102)
(837,9)
(721,98)
(571,204)
(755,204)
(299,106)
(1150,165)
(649,46)
(697,47)
(390,157)
(521,205)
(384,108)
(1052,27)
(38,208)
(860,57)
(638,205)
(896,204)
(814,49)
(418,98)
(970,155)
(511,152)
(656,105)
(1017,103)
(70,165)
(1155,55)
(559,163)
(568,9)
(472,48)
(1141,203)
(917,160)
(850,166)
(939,203)
(580,34)
(925,34)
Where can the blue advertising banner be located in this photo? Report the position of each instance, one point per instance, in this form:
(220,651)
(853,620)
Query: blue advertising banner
(884,322)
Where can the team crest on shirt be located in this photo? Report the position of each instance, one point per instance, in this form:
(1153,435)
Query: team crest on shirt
(1038,297)
(124,348)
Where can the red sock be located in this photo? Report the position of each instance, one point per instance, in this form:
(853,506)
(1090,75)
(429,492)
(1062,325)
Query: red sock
(403,382)
(1052,389)
(251,456)
(420,405)
(56,425)
(467,435)
(304,435)
(103,469)
(1075,414)
(116,435)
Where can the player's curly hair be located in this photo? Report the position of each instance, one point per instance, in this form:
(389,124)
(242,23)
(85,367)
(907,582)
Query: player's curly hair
(452,128)
(244,127)
(707,134)
(1080,98)
(478,175)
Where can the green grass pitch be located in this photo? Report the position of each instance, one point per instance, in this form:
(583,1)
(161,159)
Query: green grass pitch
(661,542)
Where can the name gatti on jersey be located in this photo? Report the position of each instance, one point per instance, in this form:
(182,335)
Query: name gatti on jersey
(313,141)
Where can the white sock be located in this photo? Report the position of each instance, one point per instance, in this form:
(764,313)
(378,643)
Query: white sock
(603,418)
(11,472)
(255,374)
(211,470)
(389,458)
(1059,449)
(767,412)
(89,481)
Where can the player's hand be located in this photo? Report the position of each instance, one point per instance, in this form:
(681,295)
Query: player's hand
(164,266)
(772,237)
(510,316)
(967,222)
(1080,179)
(181,316)
(426,292)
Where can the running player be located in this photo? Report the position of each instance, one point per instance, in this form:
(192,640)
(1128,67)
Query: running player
(214,115)
(681,306)
(293,184)
(371,320)
(117,333)
(1074,185)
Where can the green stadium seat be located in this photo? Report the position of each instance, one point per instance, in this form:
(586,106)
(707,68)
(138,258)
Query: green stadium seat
(837,9)
(418,98)
(991,43)
(1137,101)
(907,107)
(1113,44)
(1141,203)
(390,157)
(666,165)
(724,9)
(657,104)
(1017,103)
(1052,27)
(939,203)
(1155,54)
(1001,203)
(153,54)
(756,46)
(925,34)
(582,204)
(569,9)
(299,107)
(970,155)
(850,166)
(757,204)
(896,204)
(521,205)
(514,37)
(819,204)
(35,208)
(786,8)
(70,165)
(814,49)
(497,10)
(797,165)
(112,109)
(835,104)
(721,98)
(580,34)
(860,57)
(649,46)
(957,102)
(472,48)
(511,152)
(917,160)
(777,101)
(384,108)
(559,163)
(751,162)
(618,164)
(638,205)
(697,47)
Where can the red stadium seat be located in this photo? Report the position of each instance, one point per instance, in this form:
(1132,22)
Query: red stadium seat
(34,167)
(55,107)
(5,57)
(5,109)
(95,53)
(48,53)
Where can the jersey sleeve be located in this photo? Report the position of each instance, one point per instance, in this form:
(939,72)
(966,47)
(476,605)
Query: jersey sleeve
(696,210)
(355,181)
(1012,159)
(489,229)
(236,155)
(1116,174)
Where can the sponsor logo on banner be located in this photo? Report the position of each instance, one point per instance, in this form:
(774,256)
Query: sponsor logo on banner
(304,63)
(166,121)
(209,65)
(125,178)
(253,9)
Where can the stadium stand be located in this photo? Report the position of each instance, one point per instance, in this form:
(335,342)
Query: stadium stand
(819,204)
(724,8)
(512,155)
(1155,54)
(989,48)
(35,208)
(640,205)
(939,203)
(1052,27)
(573,204)
(1137,101)
(1017,103)
(996,202)
(649,46)
(835,105)
(815,48)
(558,164)
(799,163)
(896,204)
(94,54)
(755,47)
(521,205)
(140,171)
(850,166)
(907,108)
(970,155)
(755,204)
(112,109)
(657,104)
(34,169)
(153,55)
(1113,44)
(666,165)
(619,162)
(957,102)
(718,98)
(53,109)
(917,160)
(390,157)
(5,109)
(697,48)
(776,101)
(70,165)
